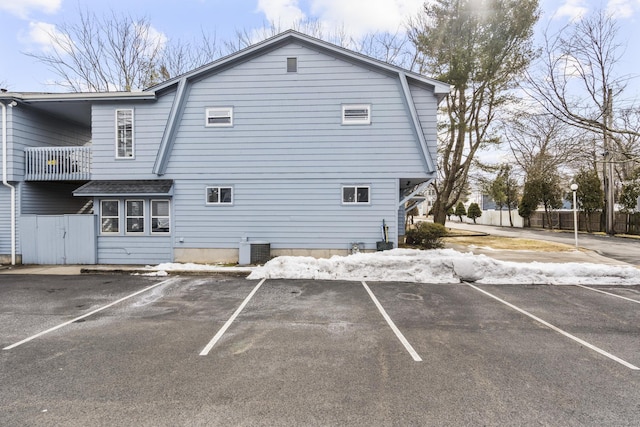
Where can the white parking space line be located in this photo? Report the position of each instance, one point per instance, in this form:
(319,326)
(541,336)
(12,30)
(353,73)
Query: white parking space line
(555,328)
(609,293)
(224,328)
(401,337)
(148,288)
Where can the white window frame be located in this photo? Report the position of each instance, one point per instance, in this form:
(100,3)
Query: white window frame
(117,138)
(355,192)
(152,216)
(218,112)
(356,120)
(219,202)
(127,216)
(103,216)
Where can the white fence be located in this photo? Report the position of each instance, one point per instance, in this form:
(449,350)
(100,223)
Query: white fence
(57,163)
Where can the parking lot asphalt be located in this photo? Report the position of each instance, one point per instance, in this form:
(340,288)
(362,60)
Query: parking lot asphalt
(302,352)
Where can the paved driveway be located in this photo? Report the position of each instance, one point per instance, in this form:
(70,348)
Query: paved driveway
(228,351)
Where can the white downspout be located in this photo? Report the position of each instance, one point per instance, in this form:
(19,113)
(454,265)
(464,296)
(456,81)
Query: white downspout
(6,183)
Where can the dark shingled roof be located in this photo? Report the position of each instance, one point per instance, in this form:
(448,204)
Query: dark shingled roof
(138,187)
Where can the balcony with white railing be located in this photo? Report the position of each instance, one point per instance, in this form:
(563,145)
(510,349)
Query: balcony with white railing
(57,163)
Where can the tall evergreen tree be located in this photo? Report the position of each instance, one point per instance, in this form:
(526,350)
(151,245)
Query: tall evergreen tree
(480,47)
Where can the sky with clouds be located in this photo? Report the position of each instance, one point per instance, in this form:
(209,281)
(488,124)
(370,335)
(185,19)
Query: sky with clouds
(26,23)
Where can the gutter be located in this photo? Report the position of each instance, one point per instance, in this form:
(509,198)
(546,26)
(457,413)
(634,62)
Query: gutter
(6,183)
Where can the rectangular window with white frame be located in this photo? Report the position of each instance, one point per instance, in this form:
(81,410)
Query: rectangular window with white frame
(109,216)
(219,117)
(124,134)
(356,195)
(356,114)
(219,195)
(134,215)
(160,216)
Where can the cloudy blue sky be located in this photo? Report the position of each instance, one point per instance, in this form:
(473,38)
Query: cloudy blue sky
(25,23)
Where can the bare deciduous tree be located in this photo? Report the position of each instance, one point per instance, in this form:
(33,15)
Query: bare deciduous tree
(531,135)
(626,146)
(577,80)
(110,53)
(178,57)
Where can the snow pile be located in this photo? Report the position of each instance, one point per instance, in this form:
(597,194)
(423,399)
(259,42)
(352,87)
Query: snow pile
(442,266)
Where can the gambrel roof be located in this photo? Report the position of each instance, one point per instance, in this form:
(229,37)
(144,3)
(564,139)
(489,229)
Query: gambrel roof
(440,89)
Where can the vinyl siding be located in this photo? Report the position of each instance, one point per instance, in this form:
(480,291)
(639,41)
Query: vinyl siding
(288,214)
(289,124)
(5,219)
(50,198)
(286,156)
(427,106)
(134,249)
(149,121)
(29,128)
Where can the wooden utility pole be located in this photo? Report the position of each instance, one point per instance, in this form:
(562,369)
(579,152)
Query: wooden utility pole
(608,165)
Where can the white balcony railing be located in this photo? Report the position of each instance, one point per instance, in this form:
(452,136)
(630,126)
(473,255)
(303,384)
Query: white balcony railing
(58,163)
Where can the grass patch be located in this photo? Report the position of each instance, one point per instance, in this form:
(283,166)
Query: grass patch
(506,243)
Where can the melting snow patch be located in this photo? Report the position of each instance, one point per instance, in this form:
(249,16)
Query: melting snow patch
(442,266)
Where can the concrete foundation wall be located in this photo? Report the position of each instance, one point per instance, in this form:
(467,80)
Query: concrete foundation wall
(5,259)
(230,255)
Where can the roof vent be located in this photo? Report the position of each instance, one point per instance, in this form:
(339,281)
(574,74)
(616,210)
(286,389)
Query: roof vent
(292,65)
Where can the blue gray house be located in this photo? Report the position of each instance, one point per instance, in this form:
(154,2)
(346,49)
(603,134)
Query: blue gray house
(294,144)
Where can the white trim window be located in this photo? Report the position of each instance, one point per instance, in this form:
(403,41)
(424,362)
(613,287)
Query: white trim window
(124,134)
(219,196)
(160,216)
(109,216)
(356,195)
(356,114)
(134,216)
(219,117)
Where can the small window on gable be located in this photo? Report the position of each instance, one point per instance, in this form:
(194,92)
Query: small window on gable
(355,195)
(359,114)
(219,195)
(219,117)
(292,65)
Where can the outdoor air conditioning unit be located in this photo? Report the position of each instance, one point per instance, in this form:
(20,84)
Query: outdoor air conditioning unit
(260,252)
(254,252)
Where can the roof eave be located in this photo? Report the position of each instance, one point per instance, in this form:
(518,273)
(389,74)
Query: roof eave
(78,96)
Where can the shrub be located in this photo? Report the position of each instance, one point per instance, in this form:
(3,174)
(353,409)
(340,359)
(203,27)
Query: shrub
(460,210)
(474,212)
(426,235)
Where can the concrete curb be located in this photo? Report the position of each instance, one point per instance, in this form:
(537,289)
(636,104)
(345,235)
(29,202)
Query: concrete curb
(115,271)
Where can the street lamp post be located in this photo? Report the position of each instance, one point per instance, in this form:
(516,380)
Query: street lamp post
(574,188)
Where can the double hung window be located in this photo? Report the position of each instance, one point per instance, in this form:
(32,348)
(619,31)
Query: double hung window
(160,218)
(134,216)
(142,217)
(109,216)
